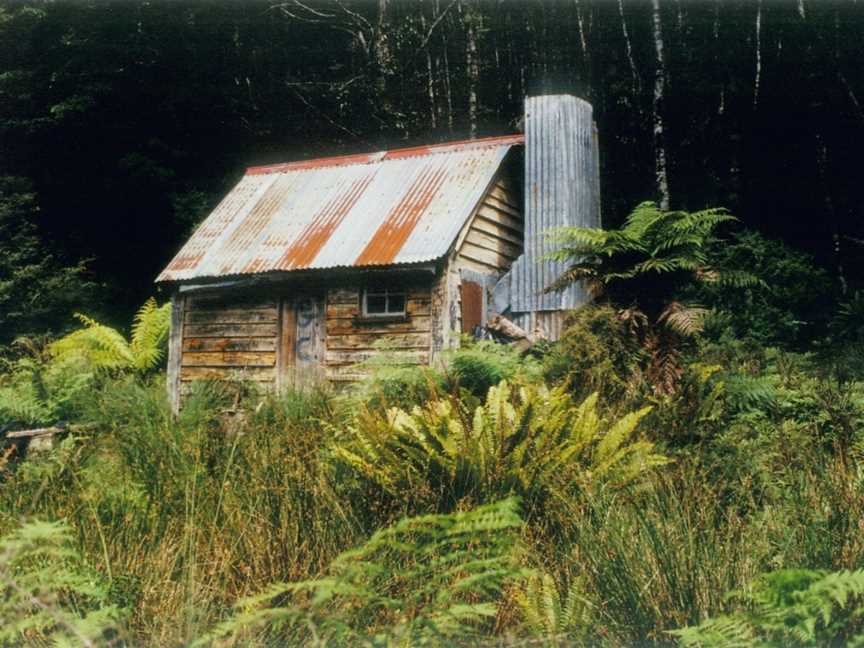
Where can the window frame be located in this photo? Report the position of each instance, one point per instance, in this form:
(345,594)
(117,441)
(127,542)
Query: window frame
(387,293)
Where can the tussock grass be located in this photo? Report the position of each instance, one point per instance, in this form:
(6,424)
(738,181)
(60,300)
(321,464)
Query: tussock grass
(181,517)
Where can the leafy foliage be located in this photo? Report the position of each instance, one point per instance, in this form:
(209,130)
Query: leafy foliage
(35,390)
(640,266)
(103,347)
(36,288)
(529,441)
(651,242)
(558,622)
(788,303)
(596,352)
(478,366)
(429,580)
(791,607)
(48,594)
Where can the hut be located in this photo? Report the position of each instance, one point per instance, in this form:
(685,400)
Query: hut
(304,266)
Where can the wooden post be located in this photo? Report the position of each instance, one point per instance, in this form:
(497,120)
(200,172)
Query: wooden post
(175,351)
(285,343)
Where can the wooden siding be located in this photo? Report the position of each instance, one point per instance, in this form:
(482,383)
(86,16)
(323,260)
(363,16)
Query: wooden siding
(486,248)
(350,339)
(494,237)
(229,336)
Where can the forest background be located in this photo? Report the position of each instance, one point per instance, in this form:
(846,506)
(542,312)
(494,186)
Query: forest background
(123,123)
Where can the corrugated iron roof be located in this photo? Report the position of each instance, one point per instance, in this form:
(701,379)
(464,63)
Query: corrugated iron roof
(391,207)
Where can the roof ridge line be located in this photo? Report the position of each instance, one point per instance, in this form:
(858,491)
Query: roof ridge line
(391,154)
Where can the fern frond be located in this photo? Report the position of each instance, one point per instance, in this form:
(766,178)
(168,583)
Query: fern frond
(686,321)
(149,334)
(439,576)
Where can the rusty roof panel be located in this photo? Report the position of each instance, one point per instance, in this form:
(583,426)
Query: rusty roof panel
(391,207)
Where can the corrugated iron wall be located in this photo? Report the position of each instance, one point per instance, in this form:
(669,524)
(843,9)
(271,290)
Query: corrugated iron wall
(562,188)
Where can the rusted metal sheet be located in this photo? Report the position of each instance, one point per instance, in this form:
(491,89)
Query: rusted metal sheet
(392,207)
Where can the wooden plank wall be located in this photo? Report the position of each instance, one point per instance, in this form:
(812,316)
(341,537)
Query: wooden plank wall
(495,235)
(229,336)
(350,340)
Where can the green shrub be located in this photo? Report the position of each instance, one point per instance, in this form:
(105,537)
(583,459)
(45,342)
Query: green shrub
(530,441)
(596,353)
(48,595)
(35,391)
(790,304)
(478,366)
(393,379)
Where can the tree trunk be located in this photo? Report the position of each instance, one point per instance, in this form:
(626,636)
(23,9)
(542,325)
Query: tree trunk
(758,75)
(472,68)
(628,48)
(822,164)
(659,87)
(430,79)
(383,57)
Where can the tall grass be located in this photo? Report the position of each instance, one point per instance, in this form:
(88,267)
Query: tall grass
(183,516)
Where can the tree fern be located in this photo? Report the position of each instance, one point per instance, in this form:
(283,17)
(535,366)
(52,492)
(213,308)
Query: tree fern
(640,266)
(429,580)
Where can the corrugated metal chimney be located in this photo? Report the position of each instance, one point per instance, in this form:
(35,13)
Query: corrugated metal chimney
(562,187)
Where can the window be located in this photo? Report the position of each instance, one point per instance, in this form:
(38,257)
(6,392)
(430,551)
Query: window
(383,302)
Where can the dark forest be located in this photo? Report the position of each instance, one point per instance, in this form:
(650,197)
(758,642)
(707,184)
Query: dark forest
(122,124)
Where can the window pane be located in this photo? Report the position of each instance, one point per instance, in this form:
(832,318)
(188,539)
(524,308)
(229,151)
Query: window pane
(396,304)
(376,304)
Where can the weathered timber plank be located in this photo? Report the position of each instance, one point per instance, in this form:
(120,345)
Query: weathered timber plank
(352,296)
(230,344)
(255,374)
(287,338)
(502,207)
(237,359)
(504,197)
(493,244)
(396,341)
(501,218)
(232,316)
(175,350)
(345,326)
(231,330)
(337,357)
(343,296)
(412,307)
(492,228)
(497,262)
(222,300)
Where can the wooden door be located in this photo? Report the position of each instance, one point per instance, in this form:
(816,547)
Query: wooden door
(472,306)
(301,340)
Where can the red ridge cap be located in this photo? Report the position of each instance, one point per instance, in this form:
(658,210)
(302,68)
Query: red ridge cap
(394,154)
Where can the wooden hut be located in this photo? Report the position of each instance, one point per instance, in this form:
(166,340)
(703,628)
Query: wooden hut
(303,267)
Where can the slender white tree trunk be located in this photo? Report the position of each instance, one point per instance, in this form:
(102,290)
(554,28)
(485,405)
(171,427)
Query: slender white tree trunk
(430,79)
(659,86)
(472,67)
(758,54)
(628,48)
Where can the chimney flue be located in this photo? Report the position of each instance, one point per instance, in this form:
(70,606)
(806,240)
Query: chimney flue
(562,188)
